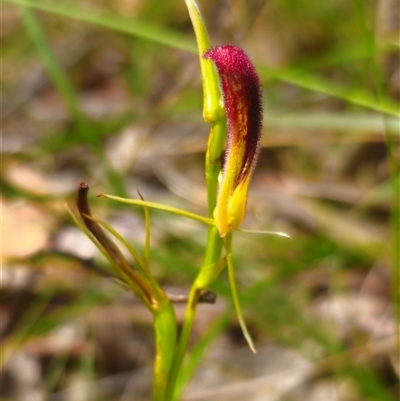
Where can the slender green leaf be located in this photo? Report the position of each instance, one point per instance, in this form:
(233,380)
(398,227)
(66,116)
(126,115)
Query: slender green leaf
(132,26)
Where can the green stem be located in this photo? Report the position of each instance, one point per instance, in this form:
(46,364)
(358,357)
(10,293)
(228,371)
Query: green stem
(213,112)
(209,271)
(213,105)
(165,329)
(207,274)
(183,342)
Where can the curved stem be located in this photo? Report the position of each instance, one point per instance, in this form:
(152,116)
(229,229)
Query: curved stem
(210,270)
(183,342)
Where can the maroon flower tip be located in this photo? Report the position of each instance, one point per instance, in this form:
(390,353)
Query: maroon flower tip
(243,104)
(242,99)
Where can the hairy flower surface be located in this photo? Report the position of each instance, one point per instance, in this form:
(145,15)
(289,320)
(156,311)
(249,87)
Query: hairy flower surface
(243,105)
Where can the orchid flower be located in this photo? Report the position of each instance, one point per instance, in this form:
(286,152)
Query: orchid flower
(243,104)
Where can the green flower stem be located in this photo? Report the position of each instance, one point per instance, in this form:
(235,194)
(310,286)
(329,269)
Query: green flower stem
(214,113)
(183,342)
(209,272)
(213,105)
(165,329)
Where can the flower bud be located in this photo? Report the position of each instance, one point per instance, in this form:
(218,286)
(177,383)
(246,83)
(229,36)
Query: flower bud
(243,104)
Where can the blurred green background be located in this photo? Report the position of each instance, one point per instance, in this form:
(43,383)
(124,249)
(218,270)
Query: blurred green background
(110,93)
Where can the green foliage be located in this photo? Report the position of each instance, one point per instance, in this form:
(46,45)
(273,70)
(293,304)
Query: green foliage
(328,92)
